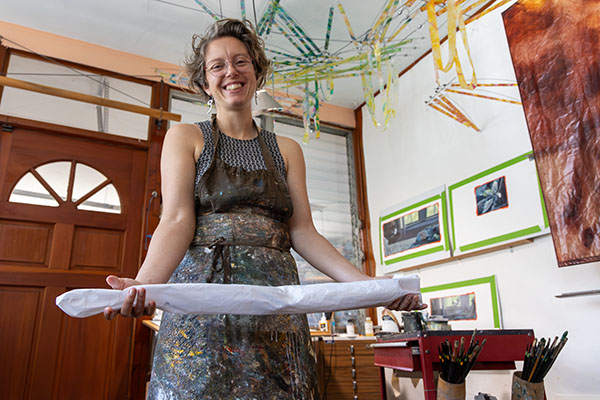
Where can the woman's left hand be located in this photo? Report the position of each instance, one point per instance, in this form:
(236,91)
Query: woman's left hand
(408,302)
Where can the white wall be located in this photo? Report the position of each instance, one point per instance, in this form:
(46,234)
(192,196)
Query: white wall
(423,149)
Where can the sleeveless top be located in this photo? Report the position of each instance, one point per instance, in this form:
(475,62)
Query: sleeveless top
(238,153)
(242,237)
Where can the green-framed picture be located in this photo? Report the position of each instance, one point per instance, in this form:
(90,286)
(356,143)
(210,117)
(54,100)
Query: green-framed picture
(500,205)
(414,232)
(466,304)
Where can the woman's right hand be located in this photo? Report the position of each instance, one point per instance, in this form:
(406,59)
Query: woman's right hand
(130,307)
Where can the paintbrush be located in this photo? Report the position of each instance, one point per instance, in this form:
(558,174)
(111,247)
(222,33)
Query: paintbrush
(455,351)
(554,355)
(546,354)
(528,359)
(537,357)
(448,360)
(472,359)
(453,366)
(470,349)
(459,362)
(442,355)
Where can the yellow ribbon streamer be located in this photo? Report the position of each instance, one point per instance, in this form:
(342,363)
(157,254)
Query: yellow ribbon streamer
(455,18)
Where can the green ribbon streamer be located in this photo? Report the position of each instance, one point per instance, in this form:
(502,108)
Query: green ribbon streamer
(243,8)
(328,34)
(208,10)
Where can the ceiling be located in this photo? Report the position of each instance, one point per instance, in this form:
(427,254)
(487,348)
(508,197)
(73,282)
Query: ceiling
(162,29)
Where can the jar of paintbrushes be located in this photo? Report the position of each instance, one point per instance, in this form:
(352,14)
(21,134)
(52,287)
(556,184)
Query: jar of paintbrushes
(456,361)
(539,358)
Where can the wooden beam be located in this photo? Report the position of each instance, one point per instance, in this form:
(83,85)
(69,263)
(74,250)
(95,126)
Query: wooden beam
(67,94)
(4,54)
(362,204)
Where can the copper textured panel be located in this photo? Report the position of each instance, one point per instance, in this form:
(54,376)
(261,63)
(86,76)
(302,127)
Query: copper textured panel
(24,242)
(555,48)
(97,249)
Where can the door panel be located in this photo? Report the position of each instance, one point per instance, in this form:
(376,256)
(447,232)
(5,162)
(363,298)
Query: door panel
(25,243)
(45,251)
(98,249)
(19,310)
(94,354)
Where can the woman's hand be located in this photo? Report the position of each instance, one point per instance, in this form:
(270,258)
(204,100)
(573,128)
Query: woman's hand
(408,302)
(130,308)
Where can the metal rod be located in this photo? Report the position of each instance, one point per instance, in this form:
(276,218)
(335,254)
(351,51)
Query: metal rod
(580,293)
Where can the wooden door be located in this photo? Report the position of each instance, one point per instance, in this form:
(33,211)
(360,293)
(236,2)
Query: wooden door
(47,250)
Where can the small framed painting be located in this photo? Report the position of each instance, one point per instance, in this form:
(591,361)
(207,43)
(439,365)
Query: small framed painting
(500,205)
(414,232)
(470,304)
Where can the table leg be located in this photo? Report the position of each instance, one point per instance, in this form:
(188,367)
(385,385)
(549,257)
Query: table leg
(382,383)
(427,370)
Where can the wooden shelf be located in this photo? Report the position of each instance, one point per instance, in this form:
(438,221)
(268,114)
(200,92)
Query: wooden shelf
(468,255)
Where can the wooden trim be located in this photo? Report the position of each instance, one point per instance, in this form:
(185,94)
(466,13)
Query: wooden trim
(23,276)
(6,139)
(70,131)
(362,204)
(46,186)
(93,192)
(4,56)
(361,197)
(71,180)
(142,339)
(35,213)
(141,351)
(157,131)
(86,98)
(82,67)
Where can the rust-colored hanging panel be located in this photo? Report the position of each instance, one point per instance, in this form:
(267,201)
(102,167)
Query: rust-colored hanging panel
(555,48)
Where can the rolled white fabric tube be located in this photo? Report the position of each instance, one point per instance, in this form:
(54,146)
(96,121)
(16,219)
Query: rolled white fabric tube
(213,298)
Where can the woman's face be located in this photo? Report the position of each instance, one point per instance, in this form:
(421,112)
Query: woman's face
(229,73)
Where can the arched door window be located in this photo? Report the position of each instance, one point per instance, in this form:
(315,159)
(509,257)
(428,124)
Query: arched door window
(56,183)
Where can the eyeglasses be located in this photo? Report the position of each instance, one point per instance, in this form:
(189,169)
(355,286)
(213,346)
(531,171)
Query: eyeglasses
(219,68)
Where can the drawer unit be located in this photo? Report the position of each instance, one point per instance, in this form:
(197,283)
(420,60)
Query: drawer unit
(347,369)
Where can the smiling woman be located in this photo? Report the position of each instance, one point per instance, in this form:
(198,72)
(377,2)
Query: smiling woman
(253,47)
(231,81)
(234,203)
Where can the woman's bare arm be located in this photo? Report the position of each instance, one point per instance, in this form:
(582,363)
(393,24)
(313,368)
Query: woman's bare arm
(308,242)
(176,228)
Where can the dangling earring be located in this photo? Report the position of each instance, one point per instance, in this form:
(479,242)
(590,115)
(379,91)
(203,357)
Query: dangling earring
(256,97)
(209,104)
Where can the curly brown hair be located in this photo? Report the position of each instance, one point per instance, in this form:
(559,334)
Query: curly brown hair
(241,30)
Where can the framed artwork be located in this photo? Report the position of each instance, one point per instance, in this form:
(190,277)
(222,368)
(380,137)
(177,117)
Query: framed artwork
(466,304)
(500,205)
(414,232)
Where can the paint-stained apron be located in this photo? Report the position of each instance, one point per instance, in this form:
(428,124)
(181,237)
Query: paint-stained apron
(241,236)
